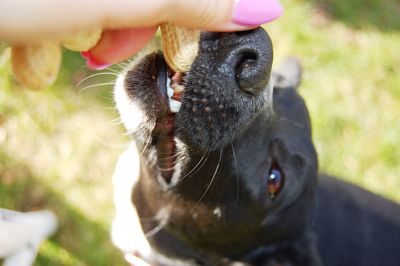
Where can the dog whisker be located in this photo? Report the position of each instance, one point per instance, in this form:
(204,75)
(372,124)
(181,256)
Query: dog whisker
(147,144)
(154,231)
(196,168)
(291,122)
(165,169)
(177,155)
(162,217)
(116,121)
(121,66)
(111,69)
(148,219)
(236,171)
(97,85)
(95,75)
(214,175)
(101,107)
(314,215)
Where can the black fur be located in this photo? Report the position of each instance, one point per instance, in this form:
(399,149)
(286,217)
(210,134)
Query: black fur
(224,85)
(219,210)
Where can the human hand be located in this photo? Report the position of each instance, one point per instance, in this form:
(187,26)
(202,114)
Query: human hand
(129,24)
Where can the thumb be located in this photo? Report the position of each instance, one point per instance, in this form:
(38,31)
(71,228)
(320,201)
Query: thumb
(214,15)
(223,14)
(201,14)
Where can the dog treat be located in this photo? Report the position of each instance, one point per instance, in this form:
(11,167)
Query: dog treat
(36,66)
(82,41)
(180,46)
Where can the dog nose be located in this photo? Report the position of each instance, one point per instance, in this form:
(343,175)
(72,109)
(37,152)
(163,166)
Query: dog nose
(248,59)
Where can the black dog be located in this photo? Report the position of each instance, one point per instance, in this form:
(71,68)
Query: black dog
(230,176)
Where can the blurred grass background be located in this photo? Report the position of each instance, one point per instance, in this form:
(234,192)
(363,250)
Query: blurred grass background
(58,147)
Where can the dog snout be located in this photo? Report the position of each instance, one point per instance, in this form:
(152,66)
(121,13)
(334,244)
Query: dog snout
(252,60)
(226,87)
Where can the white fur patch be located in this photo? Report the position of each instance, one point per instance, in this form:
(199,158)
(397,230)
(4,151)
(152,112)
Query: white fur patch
(131,113)
(127,233)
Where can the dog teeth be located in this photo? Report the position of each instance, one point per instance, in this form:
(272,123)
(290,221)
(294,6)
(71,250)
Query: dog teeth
(178,88)
(174,106)
(172,89)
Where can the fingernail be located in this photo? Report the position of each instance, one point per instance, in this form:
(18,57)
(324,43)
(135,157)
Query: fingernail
(256,12)
(91,63)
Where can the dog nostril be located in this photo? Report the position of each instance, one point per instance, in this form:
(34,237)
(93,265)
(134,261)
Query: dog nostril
(247,58)
(251,71)
(244,57)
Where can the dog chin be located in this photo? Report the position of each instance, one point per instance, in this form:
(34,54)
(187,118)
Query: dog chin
(126,232)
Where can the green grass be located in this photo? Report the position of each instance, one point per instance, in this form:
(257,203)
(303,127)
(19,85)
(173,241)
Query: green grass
(58,147)
(58,150)
(351,84)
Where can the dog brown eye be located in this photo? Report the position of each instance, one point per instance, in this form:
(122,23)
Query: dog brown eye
(275,180)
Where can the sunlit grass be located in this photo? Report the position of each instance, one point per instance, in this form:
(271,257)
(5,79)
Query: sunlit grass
(53,254)
(58,150)
(352,87)
(58,147)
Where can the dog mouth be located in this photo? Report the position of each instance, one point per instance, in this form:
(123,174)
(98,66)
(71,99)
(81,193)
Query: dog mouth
(170,90)
(204,109)
(170,85)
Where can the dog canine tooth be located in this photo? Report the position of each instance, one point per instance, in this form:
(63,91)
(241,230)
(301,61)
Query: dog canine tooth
(173,89)
(178,88)
(174,106)
(170,90)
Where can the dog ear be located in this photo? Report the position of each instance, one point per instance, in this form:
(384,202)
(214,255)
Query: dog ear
(288,74)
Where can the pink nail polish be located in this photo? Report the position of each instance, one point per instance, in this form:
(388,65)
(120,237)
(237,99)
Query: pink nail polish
(91,63)
(256,12)
(85,54)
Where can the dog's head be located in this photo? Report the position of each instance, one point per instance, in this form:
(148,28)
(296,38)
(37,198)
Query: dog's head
(231,170)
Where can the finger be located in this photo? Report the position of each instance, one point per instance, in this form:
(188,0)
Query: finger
(224,15)
(118,45)
(205,14)
(27,21)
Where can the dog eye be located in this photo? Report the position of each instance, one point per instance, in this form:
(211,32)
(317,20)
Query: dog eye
(275,180)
